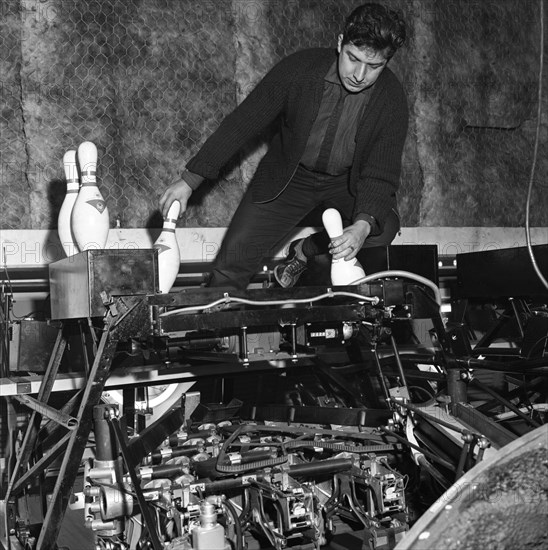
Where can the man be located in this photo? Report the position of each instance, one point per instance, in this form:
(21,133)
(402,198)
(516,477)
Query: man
(341,124)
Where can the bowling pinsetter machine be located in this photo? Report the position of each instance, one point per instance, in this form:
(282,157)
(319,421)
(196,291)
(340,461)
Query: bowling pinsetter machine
(310,417)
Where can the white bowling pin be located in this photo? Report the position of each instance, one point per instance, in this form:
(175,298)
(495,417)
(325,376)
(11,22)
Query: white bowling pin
(169,257)
(342,272)
(64,228)
(90,219)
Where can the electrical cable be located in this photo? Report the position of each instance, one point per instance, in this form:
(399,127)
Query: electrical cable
(535,153)
(237,525)
(233,299)
(404,275)
(226,299)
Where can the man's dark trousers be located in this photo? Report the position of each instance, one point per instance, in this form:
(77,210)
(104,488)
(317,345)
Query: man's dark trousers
(257,231)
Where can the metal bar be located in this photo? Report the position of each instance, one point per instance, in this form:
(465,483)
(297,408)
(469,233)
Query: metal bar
(425,452)
(293,340)
(462,459)
(158,373)
(244,355)
(84,346)
(93,335)
(429,417)
(493,330)
(433,472)
(381,374)
(149,439)
(505,402)
(398,360)
(44,409)
(522,366)
(496,434)
(516,315)
(262,317)
(5,350)
(51,432)
(456,386)
(42,464)
(145,510)
(78,440)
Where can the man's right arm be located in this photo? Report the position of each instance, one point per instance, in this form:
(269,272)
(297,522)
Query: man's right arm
(259,109)
(256,112)
(180,190)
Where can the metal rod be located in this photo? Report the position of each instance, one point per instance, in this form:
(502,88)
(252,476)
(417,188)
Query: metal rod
(52,432)
(381,374)
(430,455)
(243,345)
(427,416)
(462,460)
(293,340)
(433,472)
(44,409)
(5,351)
(398,360)
(84,346)
(516,315)
(93,335)
(42,464)
(505,402)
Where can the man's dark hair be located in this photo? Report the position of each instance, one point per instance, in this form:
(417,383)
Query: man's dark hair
(375,26)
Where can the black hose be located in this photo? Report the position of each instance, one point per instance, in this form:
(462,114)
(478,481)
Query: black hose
(221,466)
(237,526)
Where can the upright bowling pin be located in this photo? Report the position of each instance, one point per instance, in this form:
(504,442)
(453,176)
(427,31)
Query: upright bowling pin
(342,272)
(169,257)
(90,219)
(64,228)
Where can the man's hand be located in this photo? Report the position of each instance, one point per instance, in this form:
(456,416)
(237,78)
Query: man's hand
(177,191)
(349,243)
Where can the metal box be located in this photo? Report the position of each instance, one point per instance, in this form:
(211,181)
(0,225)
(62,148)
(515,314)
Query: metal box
(32,345)
(76,283)
(421,259)
(507,272)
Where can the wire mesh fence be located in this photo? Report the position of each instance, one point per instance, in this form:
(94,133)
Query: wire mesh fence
(149,81)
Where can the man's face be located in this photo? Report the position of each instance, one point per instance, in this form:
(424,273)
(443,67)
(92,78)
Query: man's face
(359,68)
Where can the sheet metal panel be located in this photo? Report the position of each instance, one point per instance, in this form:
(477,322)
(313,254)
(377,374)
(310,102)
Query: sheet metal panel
(76,283)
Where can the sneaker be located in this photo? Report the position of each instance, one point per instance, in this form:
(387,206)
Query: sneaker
(288,272)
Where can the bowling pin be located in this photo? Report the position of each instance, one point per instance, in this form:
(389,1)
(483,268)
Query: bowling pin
(90,219)
(343,272)
(64,228)
(169,257)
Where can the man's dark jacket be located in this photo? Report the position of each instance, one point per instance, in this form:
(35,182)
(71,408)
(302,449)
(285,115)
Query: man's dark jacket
(291,94)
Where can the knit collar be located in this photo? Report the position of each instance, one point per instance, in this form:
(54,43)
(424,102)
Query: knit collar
(333,75)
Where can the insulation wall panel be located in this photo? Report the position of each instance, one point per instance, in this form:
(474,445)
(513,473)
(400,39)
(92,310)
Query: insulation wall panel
(148,81)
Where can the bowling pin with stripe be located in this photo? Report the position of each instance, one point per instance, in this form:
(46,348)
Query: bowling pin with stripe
(90,218)
(64,228)
(343,272)
(169,257)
